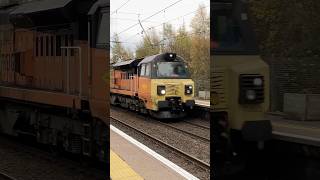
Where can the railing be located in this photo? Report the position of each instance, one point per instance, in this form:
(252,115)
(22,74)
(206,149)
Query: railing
(128,81)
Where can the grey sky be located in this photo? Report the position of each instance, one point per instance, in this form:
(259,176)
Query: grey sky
(132,10)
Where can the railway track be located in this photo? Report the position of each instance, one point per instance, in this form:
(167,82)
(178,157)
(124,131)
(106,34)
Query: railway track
(189,133)
(205,139)
(205,166)
(4,176)
(196,124)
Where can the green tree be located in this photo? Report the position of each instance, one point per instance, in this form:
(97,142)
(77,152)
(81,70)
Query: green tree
(168,38)
(118,52)
(149,45)
(200,49)
(286,29)
(200,23)
(182,43)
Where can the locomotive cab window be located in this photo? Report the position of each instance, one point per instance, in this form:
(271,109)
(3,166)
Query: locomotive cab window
(103,30)
(171,70)
(142,70)
(231,31)
(148,70)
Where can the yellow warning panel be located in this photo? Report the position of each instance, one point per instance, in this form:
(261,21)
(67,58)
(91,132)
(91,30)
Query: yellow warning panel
(120,170)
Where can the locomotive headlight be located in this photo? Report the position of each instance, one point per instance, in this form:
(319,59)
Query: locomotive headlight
(161,90)
(250,94)
(257,81)
(188,89)
(251,89)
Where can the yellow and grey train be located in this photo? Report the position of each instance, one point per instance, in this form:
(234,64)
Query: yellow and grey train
(239,86)
(159,85)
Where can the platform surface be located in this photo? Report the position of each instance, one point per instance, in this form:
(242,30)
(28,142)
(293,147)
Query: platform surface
(202,103)
(303,132)
(120,170)
(141,162)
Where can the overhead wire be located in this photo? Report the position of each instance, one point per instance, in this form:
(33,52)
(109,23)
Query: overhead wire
(145,20)
(149,17)
(189,13)
(128,19)
(120,7)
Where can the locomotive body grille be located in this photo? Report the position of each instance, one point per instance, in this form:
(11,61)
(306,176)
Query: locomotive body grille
(218,88)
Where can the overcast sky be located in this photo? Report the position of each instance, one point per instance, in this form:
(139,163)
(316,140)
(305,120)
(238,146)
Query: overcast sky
(125,13)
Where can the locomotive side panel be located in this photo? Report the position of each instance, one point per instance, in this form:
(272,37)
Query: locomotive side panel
(145,91)
(100,87)
(53,88)
(124,83)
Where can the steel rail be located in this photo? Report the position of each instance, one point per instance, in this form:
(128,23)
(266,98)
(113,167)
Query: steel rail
(6,176)
(186,132)
(190,158)
(195,124)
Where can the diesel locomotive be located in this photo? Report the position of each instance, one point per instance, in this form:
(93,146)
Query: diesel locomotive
(159,85)
(53,56)
(239,85)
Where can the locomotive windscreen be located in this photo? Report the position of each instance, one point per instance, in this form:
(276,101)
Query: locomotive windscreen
(231,29)
(171,70)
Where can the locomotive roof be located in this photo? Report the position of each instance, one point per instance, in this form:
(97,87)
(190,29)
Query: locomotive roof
(137,62)
(127,64)
(4,14)
(98,4)
(159,57)
(148,59)
(43,5)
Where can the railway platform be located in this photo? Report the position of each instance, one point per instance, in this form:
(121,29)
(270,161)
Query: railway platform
(202,103)
(301,132)
(131,159)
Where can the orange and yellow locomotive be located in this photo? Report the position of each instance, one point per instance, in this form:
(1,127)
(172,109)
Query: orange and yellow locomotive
(160,85)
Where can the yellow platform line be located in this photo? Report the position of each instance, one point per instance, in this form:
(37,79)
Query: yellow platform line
(120,170)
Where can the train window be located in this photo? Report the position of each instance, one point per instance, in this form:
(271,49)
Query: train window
(148,69)
(51,45)
(227,32)
(37,46)
(58,45)
(231,31)
(171,70)
(47,45)
(142,70)
(41,46)
(103,31)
